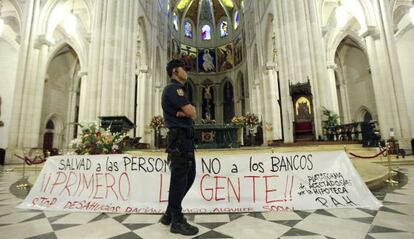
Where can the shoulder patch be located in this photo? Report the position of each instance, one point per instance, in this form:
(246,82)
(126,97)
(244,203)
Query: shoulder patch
(180,92)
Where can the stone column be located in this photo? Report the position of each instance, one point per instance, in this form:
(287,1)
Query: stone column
(144,107)
(398,112)
(72,105)
(258,106)
(111,81)
(272,122)
(389,113)
(331,85)
(346,112)
(25,119)
(301,55)
(157,100)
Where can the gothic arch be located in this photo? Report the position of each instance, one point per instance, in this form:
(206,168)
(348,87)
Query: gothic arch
(67,42)
(336,40)
(401,18)
(12,21)
(354,82)
(63,67)
(360,113)
(222,85)
(58,130)
(19,11)
(194,31)
(57,121)
(360,9)
(48,10)
(229,26)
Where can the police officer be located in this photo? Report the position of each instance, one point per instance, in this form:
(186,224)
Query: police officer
(179,115)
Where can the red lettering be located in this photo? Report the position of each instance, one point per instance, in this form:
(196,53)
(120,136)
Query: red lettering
(97,186)
(56,183)
(48,180)
(85,182)
(110,186)
(127,185)
(267,190)
(207,189)
(67,184)
(253,185)
(159,198)
(44,201)
(218,188)
(229,183)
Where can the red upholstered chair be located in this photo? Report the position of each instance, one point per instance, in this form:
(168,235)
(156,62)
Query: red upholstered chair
(303,127)
(303,130)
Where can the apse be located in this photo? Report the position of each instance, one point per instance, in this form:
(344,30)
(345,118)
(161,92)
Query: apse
(208,36)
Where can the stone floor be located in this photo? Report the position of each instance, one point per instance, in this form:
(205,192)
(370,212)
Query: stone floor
(394,220)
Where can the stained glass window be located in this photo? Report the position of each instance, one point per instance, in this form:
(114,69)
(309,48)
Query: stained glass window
(188,29)
(224,29)
(206,32)
(175,21)
(236,20)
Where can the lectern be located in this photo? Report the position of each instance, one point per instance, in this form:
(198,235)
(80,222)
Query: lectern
(117,124)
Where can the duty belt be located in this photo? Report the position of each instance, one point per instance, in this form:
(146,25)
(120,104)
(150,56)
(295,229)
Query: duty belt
(182,132)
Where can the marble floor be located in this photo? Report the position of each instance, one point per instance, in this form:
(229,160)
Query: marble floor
(394,220)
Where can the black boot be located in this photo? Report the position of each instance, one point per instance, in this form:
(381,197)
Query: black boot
(183,227)
(165,219)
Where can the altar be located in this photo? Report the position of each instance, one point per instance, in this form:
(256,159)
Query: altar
(209,136)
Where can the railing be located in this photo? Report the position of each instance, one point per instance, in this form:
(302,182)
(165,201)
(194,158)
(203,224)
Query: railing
(364,132)
(344,132)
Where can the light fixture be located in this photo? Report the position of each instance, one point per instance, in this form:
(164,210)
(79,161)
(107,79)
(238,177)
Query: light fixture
(412,15)
(70,21)
(341,15)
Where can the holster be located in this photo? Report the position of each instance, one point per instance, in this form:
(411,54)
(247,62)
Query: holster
(180,147)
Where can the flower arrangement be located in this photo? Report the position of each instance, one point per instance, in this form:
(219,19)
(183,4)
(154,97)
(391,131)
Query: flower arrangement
(238,120)
(251,120)
(157,122)
(96,140)
(208,121)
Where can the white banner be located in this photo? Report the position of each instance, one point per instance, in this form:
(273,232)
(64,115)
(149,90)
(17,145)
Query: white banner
(229,183)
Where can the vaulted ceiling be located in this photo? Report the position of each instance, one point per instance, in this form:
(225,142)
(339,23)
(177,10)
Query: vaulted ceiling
(205,10)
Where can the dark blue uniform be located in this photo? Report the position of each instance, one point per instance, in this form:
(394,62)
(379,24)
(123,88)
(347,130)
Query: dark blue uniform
(180,147)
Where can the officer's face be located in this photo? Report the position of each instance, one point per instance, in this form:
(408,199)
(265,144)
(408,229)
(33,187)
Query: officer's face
(181,74)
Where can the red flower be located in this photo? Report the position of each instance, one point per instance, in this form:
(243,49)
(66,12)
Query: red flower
(98,134)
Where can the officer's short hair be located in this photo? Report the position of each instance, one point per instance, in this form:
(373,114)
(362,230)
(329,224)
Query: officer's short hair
(175,64)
